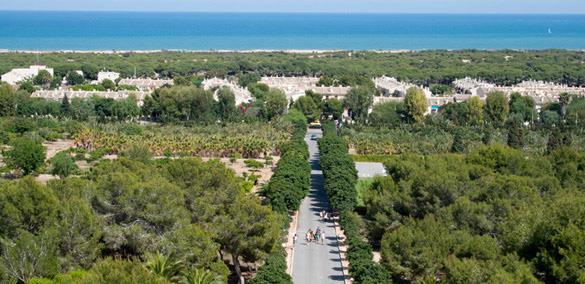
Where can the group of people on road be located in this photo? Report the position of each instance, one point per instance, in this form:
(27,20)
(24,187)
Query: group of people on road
(317,236)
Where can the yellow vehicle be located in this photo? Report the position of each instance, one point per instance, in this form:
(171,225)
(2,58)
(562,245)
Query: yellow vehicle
(315,124)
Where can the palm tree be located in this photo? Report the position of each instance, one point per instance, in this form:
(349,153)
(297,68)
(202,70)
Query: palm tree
(164,266)
(200,276)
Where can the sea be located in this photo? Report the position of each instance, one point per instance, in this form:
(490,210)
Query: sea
(45,31)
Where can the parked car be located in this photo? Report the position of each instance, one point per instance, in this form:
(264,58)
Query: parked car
(315,125)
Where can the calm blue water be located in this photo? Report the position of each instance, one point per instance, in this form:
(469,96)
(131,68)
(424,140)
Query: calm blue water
(204,31)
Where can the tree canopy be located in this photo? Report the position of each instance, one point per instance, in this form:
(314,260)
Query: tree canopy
(415,103)
(359,100)
(26,154)
(184,209)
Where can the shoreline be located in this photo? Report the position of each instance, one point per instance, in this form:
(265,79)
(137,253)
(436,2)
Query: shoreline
(242,51)
(259,51)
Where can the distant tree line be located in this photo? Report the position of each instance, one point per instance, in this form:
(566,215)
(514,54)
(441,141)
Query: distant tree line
(437,67)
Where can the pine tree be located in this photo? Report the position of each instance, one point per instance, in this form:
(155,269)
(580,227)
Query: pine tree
(554,140)
(65,106)
(567,139)
(515,134)
(486,139)
(458,146)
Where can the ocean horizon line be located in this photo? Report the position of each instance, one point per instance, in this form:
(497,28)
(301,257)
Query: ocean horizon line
(292,12)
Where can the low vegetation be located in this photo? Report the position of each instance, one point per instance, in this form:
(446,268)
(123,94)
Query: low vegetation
(251,140)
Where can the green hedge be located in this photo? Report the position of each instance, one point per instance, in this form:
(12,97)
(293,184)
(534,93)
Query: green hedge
(274,270)
(340,184)
(291,180)
(362,267)
(338,169)
(289,184)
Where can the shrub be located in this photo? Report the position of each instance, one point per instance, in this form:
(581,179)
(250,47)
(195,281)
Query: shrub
(138,152)
(168,153)
(253,164)
(120,271)
(26,155)
(274,270)
(4,137)
(98,153)
(131,129)
(63,165)
(21,125)
(361,266)
(247,186)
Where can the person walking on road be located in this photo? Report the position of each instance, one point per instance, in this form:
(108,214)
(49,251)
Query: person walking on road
(322,237)
(295,237)
(317,234)
(323,215)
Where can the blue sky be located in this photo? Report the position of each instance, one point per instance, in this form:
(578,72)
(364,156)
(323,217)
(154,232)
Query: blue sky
(333,6)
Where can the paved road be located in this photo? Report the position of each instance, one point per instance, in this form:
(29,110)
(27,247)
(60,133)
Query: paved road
(315,263)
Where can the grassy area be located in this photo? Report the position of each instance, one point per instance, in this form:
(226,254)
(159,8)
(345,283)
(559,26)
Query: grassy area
(361,186)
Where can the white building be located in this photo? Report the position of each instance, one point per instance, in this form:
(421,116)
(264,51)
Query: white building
(21,74)
(541,92)
(474,87)
(112,76)
(116,95)
(242,95)
(296,87)
(434,103)
(332,92)
(389,86)
(146,84)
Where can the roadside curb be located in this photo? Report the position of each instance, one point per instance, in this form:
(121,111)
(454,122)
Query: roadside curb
(288,245)
(342,246)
